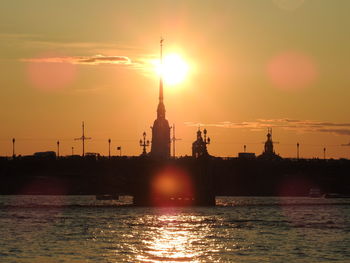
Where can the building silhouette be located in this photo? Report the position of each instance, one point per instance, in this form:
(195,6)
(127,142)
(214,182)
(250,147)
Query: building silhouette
(199,146)
(269,152)
(246,155)
(160,147)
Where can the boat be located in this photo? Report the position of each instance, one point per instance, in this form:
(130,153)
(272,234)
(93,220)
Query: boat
(335,195)
(107,197)
(315,192)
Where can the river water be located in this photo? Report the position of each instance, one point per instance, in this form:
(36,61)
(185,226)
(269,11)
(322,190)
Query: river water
(239,229)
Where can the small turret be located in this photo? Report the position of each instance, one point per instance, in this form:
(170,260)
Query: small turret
(268,149)
(269,152)
(199,147)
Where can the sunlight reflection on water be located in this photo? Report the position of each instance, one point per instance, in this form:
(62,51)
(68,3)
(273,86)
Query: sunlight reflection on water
(173,240)
(243,229)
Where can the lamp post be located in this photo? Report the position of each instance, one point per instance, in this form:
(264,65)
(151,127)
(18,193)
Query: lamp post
(13,147)
(297,150)
(206,140)
(72,151)
(144,144)
(324,153)
(119,148)
(58,149)
(109,148)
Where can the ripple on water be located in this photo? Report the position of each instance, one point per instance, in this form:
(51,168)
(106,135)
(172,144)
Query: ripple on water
(77,229)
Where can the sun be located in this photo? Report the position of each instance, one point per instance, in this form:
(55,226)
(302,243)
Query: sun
(174,69)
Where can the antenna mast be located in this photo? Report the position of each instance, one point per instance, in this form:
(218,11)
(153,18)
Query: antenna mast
(174,139)
(83,138)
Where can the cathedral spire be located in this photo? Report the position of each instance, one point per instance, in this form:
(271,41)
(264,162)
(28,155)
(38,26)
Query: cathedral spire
(161,73)
(161,107)
(160,147)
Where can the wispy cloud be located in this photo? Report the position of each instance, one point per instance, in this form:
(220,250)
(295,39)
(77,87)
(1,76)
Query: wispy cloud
(34,41)
(67,51)
(287,124)
(336,131)
(90,60)
(346,144)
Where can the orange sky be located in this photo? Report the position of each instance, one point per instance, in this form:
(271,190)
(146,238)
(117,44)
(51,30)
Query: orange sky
(252,65)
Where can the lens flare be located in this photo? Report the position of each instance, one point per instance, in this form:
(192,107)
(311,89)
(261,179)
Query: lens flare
(292,71)
(50,75)
(172,186)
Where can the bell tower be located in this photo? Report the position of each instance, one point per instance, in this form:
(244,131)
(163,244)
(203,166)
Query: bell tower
(160,147)
(268,149)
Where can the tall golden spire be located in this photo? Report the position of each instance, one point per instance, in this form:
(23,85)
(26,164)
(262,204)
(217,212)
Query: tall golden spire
(161,72)
(160,147)
(161,107)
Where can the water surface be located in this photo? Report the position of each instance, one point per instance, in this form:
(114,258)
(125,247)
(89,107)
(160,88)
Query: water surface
(239,229)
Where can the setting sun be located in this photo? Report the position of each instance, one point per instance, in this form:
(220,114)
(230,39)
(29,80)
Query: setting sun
(175,131)
(174,69)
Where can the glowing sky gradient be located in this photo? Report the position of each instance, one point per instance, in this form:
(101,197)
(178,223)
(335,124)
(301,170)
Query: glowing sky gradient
(252,65)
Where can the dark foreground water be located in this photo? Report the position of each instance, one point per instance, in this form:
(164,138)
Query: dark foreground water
(240,229)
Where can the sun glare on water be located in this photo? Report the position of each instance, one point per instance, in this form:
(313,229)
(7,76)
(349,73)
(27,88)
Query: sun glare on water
(174,69)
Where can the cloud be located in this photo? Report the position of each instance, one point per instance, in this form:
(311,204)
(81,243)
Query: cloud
(346,144)
(87,60)
(305,126)
(336,131)
(37,44)
(40,42)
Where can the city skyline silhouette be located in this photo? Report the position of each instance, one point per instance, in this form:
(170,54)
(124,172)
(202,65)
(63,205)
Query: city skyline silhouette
(238,76)
(174,131)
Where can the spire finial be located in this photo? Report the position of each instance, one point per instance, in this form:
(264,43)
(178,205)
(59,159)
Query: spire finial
(161,49)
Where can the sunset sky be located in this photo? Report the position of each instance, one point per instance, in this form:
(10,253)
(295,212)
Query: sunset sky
(251,65)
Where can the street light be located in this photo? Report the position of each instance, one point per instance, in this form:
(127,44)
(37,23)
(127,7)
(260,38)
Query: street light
(58,149)
(13,147)
(109,148)
(119,148)
(206,140)
(297,150)
(144,144)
